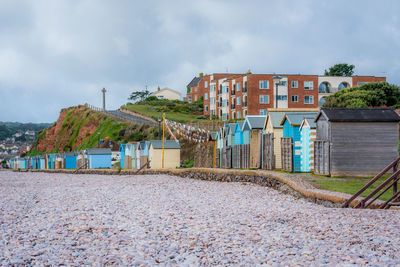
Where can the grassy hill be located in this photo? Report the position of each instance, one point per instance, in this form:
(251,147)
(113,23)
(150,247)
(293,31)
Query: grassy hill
(80,128)
(7,129)
(175,110)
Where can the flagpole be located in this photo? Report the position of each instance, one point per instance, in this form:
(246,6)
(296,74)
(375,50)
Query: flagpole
(163,138)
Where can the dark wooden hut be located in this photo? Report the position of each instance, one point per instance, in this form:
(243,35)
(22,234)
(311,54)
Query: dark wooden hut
(355,142)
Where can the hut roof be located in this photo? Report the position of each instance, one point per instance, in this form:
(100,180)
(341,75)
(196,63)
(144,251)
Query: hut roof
(168,144)
(277,116)
(359,114)
(255,122)
(296,118)
(310,121)
(98,151)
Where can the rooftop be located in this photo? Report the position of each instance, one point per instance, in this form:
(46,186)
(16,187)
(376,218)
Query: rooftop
(359,114)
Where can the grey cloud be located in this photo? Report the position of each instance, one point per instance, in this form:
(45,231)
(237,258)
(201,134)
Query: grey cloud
(59,53)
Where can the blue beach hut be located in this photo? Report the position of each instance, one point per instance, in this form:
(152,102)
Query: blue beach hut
(238,133)
(70,159)
(291,129)
(308,135)
(122,151)
(99,158)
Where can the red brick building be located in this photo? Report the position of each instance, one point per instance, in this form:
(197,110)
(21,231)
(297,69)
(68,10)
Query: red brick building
(231,96)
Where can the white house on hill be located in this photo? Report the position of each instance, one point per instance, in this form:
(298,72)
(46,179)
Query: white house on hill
(167,93)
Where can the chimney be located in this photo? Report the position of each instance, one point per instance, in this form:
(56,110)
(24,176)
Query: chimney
(158,89)
(248,72)
(201,74)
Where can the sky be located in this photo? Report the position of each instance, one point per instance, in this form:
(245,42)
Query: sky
(56,54)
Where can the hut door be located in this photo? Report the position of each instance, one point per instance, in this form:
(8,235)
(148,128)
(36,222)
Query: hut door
(287,154)
(268,151)
(321,157)
(229,157)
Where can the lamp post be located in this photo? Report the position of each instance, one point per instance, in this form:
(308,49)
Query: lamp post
(159,126)
(276,80)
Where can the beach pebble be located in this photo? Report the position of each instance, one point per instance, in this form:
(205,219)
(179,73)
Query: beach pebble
(66,219)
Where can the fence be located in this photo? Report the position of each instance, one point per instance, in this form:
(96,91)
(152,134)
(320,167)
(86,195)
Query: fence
(122,116)
(287,154)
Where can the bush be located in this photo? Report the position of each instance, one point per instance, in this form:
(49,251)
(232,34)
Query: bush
(188,163)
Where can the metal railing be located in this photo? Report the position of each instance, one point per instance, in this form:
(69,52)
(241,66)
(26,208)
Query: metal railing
(122,116)
(390,182)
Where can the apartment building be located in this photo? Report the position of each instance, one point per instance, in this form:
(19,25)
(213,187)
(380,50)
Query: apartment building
(233,96)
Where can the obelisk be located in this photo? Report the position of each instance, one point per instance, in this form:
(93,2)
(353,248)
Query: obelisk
(104,98)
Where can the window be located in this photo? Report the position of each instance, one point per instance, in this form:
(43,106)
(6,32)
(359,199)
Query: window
(205,84)
(206,96)
(264,84)
(360,83)
(190,99)
(212,87)
(238,101)
(195,98)
(308,99)
(295,84)
(308,85)
(238,114)
(295,98)
(263,112)
(238,86)
(206,108)
(282,97)
(195,89)
(283,83)
(264,99)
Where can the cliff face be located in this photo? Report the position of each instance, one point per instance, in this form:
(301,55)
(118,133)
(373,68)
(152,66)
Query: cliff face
(80,128)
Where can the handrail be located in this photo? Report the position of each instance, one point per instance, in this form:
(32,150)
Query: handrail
(372,181)
(144,165)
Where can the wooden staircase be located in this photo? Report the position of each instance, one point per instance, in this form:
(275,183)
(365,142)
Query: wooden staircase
(389,183)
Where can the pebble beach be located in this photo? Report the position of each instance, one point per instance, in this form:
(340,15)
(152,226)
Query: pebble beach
(145,220)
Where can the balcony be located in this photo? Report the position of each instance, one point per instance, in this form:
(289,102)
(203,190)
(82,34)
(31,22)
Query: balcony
(233,106)
(245,104)
(244,89)
(233,92)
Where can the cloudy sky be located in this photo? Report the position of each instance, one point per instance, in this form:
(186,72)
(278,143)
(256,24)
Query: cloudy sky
(55,54)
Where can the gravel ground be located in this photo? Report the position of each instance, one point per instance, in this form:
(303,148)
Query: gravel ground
(64,219)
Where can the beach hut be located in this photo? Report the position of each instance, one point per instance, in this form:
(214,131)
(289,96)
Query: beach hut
(99,158)
(308,135)
(144,152)
(172,156)
(291,141)
(220,140)
(22,163)
(355,142)
(59,161)
(70,160)
(131,151)
(237,147)
(82,160)
(274,130)
(122,151)
(252,133)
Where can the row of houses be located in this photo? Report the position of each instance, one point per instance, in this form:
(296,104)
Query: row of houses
(330,141)
(230,96)
(133,156)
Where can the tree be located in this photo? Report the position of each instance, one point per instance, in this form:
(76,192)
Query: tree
(340,70)
(367,95)
(139,95)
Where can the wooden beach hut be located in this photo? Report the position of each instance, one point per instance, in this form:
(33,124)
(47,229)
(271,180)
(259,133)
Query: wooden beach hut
(252,133)
(42,159)
(355,142)
(308,136)
(172,156)
(143,152)
(238,145)
(274,130)
(70,160)
(291,141)
(99,158)
(131,151)
(122,151)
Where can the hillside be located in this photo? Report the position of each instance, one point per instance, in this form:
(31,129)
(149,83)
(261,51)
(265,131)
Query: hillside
(78,127)
(8,129)
(175,110)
